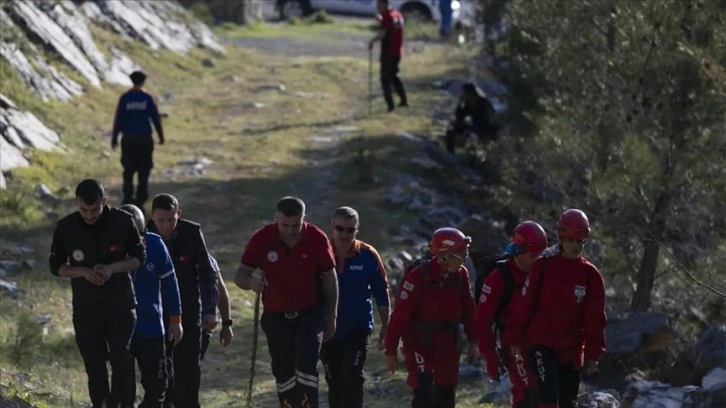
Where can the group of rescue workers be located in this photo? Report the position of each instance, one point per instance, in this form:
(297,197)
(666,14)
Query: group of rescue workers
(146,292)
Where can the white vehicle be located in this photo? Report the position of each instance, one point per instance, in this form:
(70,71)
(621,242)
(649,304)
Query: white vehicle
(424,10)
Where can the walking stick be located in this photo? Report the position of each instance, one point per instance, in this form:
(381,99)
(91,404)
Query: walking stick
(253,358)
(370,80)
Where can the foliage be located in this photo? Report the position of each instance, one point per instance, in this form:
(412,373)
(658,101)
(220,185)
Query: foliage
(624,107)
(26,339)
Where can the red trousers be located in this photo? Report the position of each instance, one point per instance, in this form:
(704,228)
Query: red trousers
(442,363)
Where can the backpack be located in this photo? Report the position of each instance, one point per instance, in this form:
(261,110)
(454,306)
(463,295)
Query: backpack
(427,327)
(501,263)
(490,263)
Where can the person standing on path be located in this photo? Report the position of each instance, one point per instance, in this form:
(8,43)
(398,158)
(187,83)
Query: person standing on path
(361,275)
(135,113)
(297,259)
(96,247)
(391,37)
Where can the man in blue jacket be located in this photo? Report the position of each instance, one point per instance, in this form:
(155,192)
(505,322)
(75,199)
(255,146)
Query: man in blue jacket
(155,285)
(135,113)
(360,275)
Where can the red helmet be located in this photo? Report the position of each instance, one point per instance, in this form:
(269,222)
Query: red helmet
(449,240)
(573,224)
(530,236)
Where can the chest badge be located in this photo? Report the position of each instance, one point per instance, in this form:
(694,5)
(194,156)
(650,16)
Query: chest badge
(78,255)
(272,256)
(115,248)
(580,292)
(150,267)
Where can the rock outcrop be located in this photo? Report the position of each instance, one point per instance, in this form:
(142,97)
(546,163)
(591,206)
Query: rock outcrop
(34,28)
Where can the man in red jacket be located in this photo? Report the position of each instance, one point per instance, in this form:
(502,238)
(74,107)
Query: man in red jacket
(501,289)
(391,37)
(561,316)
(433,299)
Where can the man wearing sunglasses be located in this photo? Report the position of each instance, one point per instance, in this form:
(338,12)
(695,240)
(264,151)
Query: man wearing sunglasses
(433,299)
(361,275)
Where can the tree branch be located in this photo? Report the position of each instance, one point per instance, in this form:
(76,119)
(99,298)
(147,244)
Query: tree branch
(715,290)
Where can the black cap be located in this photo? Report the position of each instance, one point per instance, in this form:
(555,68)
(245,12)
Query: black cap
(137,77)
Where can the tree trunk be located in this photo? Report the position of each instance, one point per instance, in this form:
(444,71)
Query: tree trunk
(651,244)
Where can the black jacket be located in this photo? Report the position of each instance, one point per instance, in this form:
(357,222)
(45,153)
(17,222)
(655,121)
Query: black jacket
(112,238)
(196,277)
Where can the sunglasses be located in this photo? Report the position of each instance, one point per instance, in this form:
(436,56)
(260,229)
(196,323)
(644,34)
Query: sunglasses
(349,230)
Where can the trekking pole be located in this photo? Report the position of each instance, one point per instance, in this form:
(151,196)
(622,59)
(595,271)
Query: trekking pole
(370,80)
(253,358)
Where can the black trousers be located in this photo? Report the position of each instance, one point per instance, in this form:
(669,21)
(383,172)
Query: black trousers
(343,361)
(431,395)
(136,158)
(107,337)
(390,79)
(150,355)
(556,383)
(294,346)
(183,366)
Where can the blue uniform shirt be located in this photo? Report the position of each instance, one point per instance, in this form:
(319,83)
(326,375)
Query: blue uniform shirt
(152,281)
(360,275)
(135,113)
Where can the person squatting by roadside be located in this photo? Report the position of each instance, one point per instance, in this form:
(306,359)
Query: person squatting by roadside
(96,247)
(225,311)
(433,299)
(135,113)
(501,289)
(361,275)
(296,257)
(391,37)
(474,105)
(560,319)
(153,282)
(199,296)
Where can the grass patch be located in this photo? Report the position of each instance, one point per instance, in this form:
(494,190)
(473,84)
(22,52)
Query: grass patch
(260,140)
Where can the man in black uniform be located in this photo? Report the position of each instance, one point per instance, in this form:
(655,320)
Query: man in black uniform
(135,113)
(474,105)
(197,286)
(96,247)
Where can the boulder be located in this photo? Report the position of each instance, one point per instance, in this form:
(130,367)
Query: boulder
(698,359)
(39,24)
